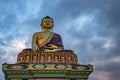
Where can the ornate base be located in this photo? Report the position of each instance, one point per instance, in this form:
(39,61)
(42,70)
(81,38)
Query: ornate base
(46,71)
(38,65)
(63,56)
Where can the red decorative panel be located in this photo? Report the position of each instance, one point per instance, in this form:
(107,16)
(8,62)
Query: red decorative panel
(47,57)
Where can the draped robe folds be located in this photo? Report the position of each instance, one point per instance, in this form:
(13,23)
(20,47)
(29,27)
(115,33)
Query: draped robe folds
(53,38)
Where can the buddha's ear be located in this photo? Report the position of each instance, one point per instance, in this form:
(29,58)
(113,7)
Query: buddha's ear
(52,25)
(41,25)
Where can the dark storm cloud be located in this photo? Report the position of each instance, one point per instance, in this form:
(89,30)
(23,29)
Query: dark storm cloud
(70,8)
(108,22)
(107,27)
(111,67)
(107,17)
(112,13)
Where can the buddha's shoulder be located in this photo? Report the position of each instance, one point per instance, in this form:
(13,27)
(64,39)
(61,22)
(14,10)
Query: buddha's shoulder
(56,34)
(37,33)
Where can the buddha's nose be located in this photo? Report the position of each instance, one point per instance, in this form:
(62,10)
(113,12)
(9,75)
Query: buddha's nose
(47,24)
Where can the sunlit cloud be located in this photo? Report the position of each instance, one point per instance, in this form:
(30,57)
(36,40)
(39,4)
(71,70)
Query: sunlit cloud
(109,44)
(81,21)
(18,44)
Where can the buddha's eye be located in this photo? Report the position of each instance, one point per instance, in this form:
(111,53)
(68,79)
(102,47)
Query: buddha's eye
(45,21)
(50,21)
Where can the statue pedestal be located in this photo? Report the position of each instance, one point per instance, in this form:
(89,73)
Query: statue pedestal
(37,65)
(62,56)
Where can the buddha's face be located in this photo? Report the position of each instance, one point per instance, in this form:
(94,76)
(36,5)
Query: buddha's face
(47,23)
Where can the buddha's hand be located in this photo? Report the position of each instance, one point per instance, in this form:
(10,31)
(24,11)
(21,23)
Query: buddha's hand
(51,46)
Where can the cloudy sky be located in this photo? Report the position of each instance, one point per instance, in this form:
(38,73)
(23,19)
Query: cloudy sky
(91,28)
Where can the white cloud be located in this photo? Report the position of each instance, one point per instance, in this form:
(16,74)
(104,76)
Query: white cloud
(33,7)
(82,20)
(13,48)
(18,44)
(114,59)
(109,43)
(31,10)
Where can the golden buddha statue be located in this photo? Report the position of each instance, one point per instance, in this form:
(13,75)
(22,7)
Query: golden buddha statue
(47,47)
(46,40)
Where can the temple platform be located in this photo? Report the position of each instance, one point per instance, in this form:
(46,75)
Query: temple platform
(47,71)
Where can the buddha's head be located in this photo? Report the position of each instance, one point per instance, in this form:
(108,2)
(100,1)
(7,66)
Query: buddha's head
(47,23)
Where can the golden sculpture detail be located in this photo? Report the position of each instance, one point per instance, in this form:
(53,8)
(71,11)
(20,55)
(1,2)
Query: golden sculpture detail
(47,47)
(46,40)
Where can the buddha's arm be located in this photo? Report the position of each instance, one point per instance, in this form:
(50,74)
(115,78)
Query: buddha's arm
(58,45)
(34,45)
(55,47)
(59,42)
